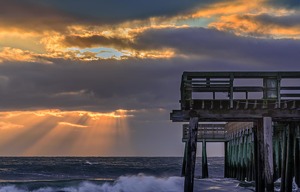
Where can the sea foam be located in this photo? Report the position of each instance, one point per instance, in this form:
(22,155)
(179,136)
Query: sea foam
(137,183)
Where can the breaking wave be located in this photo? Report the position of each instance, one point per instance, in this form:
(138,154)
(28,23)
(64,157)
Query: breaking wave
(138,183)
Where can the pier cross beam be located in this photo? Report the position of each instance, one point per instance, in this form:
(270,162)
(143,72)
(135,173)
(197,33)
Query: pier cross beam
(265,98)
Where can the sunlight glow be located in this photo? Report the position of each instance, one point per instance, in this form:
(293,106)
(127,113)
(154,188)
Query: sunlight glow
(57,132)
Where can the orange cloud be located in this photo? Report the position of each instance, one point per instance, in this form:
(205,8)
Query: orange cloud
(8,125)
(13,54)
(251,25)
(72,125)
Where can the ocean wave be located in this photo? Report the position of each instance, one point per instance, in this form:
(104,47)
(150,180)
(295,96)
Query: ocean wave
(137,183)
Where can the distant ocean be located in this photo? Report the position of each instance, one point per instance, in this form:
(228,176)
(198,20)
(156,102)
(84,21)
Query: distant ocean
(107,174)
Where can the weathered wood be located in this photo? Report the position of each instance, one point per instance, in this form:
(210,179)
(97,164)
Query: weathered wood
(240,115)
(260,179)
(226,153)
(268,153)
(297,155)
(289,161)
(191,155)
(244,158)
(246,109)
(276,154)
(283,165)
(184,161)
(204,160)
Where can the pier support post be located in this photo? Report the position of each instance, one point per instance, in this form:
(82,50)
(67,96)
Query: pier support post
(276,153)
(226,159)
(191,154)
(184,161)
(289,160)
(204,160)
(283,165)
(259,156)
(297,155)
(268,152)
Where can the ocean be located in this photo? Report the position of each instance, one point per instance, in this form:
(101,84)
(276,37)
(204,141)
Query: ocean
(108,174)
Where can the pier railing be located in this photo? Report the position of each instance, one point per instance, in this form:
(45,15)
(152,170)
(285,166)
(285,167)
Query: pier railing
(209,132)
(276,88)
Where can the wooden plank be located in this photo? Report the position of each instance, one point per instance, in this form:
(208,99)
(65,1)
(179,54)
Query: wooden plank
(237,115)
(268,153)
(289,95)
(191,155)
(241,74)
(290,88)
(248,89)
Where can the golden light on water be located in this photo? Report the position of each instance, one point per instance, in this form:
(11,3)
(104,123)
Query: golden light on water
(60,133)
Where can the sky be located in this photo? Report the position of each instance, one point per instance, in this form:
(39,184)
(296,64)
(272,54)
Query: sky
(100,78)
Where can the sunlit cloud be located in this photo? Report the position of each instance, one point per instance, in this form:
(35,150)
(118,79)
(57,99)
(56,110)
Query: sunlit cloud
(120,113)
(261,25)
(72,125)
(13,54)
(257,19)
(67,36)
(8,125)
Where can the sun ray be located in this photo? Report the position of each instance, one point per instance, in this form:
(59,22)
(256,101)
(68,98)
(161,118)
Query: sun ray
(56,132)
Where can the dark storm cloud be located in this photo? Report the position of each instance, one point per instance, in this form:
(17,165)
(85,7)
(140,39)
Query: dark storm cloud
(107,85)
(114,11)
(201,42)
(57,15)
(211,43)
(31,16)
(284,3)
(275,21)
(96,40)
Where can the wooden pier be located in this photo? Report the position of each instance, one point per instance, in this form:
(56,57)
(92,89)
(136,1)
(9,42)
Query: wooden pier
(262,136)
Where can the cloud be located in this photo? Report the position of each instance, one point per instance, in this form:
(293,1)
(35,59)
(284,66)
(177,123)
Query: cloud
(135,83)
(56,15)
(292,4)
(13,54)
(96,41)
(261,25)
(72,125)
(8,125)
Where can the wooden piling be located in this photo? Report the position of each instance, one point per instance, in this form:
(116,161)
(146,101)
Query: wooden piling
(289,160)
(204,160)
(184,161)
(276,153)
(268,153)
(259,141)
(239,155)
(244,158)
(283,165)
(226,166)
(297,155)
(191,154)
